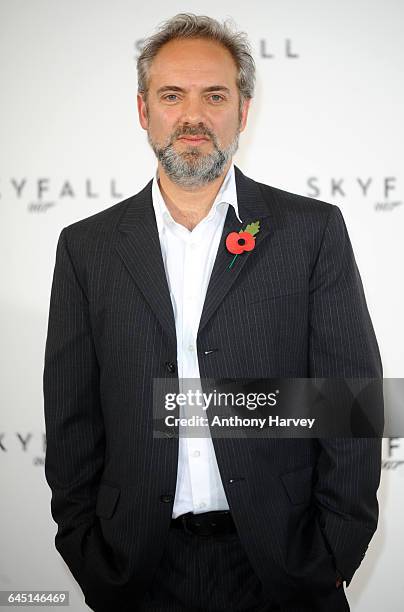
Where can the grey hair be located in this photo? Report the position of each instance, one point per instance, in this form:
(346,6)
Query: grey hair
(188,25)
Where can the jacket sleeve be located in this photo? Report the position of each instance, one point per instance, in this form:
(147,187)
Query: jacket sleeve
(73,419)
(343,345)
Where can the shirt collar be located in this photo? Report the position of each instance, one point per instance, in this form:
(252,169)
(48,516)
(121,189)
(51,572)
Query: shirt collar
(227,194)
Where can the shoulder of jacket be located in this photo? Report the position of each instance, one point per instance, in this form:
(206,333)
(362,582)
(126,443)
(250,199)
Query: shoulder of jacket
(102,224)
(291,202)
(284,202)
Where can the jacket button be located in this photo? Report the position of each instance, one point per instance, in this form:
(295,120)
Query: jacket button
(166,498)
(170,367)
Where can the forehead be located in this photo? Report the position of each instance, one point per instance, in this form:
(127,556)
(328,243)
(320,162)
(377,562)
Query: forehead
(193,62)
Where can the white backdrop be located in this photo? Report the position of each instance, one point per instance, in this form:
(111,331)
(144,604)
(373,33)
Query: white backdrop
(327,121)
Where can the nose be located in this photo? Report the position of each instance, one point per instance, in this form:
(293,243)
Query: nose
(193,111)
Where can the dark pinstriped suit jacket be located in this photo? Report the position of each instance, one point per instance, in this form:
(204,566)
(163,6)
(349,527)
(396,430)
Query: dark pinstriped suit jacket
(292,307)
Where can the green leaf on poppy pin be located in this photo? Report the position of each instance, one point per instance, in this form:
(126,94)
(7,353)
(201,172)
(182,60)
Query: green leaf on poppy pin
(252,228)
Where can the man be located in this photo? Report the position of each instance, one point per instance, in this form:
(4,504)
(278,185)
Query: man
(149,289)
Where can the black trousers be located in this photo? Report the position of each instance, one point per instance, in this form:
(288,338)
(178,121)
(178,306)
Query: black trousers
(209,574)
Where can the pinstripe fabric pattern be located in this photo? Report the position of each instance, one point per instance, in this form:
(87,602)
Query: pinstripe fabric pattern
(292,307)
(203,573)
(199,574)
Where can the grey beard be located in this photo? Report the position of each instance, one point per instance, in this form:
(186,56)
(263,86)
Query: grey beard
(193,168)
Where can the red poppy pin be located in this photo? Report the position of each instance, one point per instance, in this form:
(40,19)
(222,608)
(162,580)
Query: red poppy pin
(238,242)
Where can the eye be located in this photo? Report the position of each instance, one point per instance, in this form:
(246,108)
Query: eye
(170,96)
(217,96)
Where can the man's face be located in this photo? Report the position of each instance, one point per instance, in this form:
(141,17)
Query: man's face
(192,114)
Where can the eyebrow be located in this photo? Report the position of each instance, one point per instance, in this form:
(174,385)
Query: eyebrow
(205,89)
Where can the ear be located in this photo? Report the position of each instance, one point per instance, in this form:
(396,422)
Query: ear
(142,111)
(244,113)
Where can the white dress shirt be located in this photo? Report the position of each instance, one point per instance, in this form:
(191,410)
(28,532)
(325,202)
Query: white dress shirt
(188,261)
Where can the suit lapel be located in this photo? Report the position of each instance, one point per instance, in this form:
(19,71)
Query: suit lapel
(139,248)
(252,207)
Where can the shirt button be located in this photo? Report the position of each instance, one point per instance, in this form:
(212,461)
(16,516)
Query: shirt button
(201,505)
(170,366)
(166,499)
(191,347)
(196,453)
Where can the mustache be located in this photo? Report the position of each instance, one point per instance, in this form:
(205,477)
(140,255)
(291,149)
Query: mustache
(193,131)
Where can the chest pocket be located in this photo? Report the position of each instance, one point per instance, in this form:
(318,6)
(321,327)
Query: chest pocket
(267,294)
